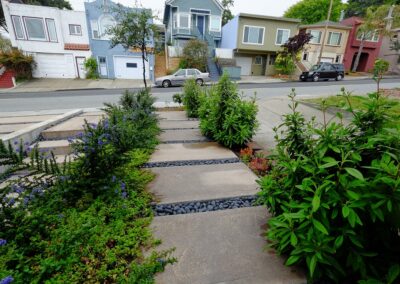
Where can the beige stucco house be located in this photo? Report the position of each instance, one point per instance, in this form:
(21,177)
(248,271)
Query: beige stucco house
(389,54)
(254,40)
(335,43)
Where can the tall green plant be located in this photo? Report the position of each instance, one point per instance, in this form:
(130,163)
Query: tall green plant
(92,68)
(191,97)
(335,196)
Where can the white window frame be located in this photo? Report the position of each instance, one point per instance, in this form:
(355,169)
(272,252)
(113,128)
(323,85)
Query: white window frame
(189,20)
(74,28)
(13,18)
(44,29)
(374,34)
(276,38)
(93,28)
(320,36)
(48,30)
(258,57)
(257,27)
(329,37)
(220,23)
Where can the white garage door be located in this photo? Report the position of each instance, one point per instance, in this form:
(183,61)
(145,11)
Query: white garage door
(245,63)
(54,66)
(129,68)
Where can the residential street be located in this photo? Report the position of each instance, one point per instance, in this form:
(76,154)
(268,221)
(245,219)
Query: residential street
(12,102)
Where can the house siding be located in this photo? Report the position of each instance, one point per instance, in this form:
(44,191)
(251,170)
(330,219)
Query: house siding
(391,55)
(230,34)
(102,47)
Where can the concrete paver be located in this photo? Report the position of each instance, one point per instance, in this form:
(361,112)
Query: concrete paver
(172,124)
(58,147)
(221,247)
(172,115)
(190,151)
(9,128)
(69,128)
(181,135)
(205,182)
(24,119)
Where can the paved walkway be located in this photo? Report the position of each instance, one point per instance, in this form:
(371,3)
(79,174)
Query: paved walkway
(205,209)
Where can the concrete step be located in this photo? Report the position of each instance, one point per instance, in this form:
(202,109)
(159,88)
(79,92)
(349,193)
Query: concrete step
(58,147)
(205,182)
(190,151)
(171,115)
(174,124)
(70,128)
(221,247)
(181,135)
(24,119)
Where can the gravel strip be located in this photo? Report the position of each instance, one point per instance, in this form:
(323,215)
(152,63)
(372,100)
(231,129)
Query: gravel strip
(190,163)
(204,206)
(186,141)
(177,128)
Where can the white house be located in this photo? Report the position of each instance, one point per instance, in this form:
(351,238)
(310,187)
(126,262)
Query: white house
(58,39)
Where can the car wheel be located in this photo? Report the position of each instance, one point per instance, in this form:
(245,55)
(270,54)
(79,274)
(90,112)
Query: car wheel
(166,84)
(316,78)
(199,82)
(339,77)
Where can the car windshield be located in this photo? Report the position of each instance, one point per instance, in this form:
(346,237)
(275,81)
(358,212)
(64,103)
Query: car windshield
(315,67)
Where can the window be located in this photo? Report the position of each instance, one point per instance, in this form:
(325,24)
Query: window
(35,28)
(184,20)
(316,36)
(272,59)
(369,36)
(191,72)
(18,29)
(75,30)
(51,30)
(253,35)
(102,60)
(215,24)
(282,36)
(334,38)
(258,60)
(95,29)
(131,65)
(337,60)
(175,21)
(305,56)
(106,22)
(181,73)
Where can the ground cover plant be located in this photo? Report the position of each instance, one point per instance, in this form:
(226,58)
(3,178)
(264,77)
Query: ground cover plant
(226,117)
(86,221)
(334,193)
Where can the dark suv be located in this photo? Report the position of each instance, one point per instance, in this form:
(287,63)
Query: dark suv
(324,71)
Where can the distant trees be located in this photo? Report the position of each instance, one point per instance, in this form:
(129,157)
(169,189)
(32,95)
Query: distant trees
(313,11)
(359,7)
(227,14)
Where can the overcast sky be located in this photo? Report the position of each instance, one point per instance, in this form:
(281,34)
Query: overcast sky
(264,7)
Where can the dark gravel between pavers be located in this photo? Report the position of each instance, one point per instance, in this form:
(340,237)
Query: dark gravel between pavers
(186,141)
(204,206)
(178,128)
(190,163)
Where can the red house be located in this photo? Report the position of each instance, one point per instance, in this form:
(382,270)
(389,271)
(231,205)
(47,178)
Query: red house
(370,51)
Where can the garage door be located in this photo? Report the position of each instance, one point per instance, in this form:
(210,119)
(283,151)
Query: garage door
(129,68)
(54,66)
(245,63)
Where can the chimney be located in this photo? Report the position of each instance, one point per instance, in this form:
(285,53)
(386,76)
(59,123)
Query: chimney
(341,16)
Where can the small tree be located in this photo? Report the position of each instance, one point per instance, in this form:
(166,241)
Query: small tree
(227,14)
(135,29)
(195,54)
(380,68)
(295,45)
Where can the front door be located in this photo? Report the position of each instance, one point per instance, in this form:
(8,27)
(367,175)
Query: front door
(103,66)
(80,65)
(200,24)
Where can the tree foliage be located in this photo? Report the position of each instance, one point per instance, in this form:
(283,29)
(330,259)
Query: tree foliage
(195,54)
(62,4)
(227,14)
(16,60)
(359,7)
(135,29)
(313,11)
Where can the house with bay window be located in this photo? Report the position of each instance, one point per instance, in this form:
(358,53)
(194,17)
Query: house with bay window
(192,19)
(334,48)
(116,62)
(57,39)
(254,40)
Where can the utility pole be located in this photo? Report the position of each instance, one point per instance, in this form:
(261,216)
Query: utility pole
(325,32)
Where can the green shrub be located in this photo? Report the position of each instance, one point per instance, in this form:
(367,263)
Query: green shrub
(14,59)
(92,68)
(334,192)
(191,94)
(284,64)
(177,98)
(225,117)
(195,55)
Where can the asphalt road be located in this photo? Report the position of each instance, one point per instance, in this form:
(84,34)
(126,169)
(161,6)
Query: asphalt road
(13,102)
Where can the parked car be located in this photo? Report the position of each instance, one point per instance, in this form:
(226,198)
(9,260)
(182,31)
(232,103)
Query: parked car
(324,71)
(180,76)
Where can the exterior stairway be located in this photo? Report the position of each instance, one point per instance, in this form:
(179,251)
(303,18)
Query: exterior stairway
(211,65)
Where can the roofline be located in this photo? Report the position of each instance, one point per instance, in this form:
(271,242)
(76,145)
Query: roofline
(343,27)
(169,2)
(269,17)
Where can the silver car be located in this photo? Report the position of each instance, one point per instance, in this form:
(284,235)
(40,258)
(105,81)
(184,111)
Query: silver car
(180,76)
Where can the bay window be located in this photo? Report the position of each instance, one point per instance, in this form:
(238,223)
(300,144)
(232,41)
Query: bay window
(35,28)
(18,28)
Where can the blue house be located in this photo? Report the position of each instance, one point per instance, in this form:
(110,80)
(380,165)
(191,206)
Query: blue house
(114,63)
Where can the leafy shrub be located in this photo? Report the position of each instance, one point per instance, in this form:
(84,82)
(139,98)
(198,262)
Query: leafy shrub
(334,192)
(284,64)
(14,59)
(177,98)
(191,94)
(225,117)
(5,44)
(246,154)
(91,68)
(195,55)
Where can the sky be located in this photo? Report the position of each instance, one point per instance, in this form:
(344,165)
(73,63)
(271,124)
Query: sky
(264,7)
